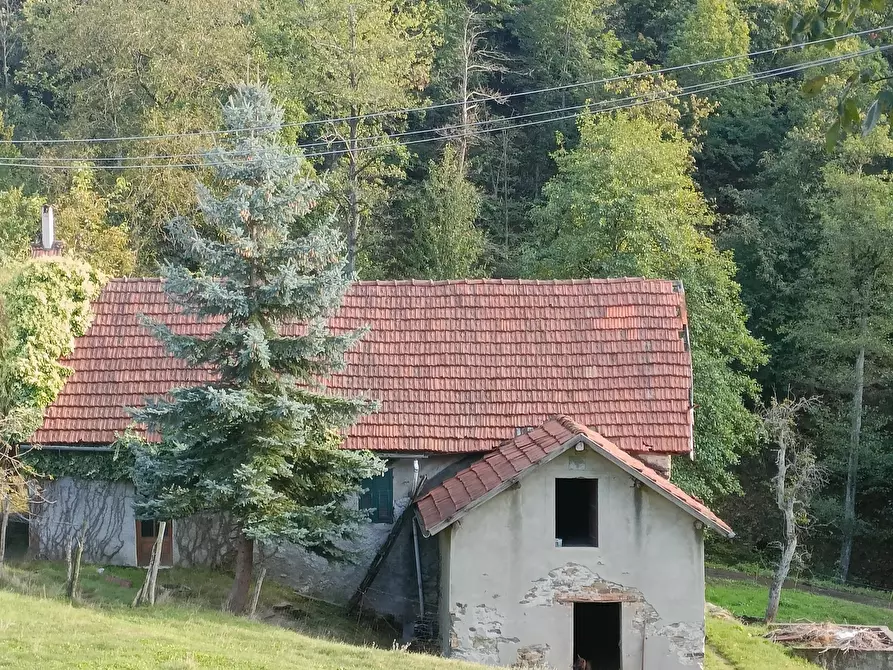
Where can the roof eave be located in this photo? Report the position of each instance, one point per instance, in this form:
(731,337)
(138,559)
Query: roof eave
(507,484)
(722,530)
(725,531)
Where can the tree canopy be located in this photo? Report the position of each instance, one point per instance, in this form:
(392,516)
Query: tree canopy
(624,203)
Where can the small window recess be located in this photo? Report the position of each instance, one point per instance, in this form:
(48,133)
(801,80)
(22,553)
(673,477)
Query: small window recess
(576,512)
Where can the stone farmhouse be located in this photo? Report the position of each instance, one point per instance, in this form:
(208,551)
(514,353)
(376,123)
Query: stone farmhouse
(526,515)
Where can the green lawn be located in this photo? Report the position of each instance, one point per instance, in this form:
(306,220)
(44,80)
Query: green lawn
(197,588)
(187,630)
(731,646)
(749,600)
(37,632)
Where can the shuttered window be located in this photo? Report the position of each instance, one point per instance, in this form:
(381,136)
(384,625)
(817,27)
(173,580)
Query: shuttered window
(379,498)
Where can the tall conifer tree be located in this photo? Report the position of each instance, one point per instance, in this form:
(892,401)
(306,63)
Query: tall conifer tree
(261,441)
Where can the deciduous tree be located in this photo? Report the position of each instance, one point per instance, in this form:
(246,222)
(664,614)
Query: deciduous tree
(797,478)
(144,67)
(849,318)
(349,59)
(624,203)
(443,240)
(44,306)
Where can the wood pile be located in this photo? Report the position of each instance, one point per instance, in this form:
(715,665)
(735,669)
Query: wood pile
(833,636)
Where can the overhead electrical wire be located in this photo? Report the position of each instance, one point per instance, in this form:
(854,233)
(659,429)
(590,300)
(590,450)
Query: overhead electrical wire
(743,78)
(445,105)
(495,125)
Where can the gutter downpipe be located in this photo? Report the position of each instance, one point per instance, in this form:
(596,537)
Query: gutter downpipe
(415,538)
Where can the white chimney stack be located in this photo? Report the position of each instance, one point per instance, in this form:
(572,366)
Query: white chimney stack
(48,227)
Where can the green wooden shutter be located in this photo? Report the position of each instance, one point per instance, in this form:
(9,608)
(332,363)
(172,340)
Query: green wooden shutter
(379,498)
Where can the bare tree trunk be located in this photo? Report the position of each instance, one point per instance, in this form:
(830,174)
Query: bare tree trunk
(157,551)
(465,109)
(255,597)
(74,565)
(353,169)
(6,38)
(4,524)
(147,590)
(852,474)
(505,189)
(69,546)
(784,564)
(353,200)
(237,601)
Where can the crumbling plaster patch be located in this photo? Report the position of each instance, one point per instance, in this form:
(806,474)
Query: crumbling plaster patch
(686,641)
(533,656)
(577,582)
(477,633)
(574,581)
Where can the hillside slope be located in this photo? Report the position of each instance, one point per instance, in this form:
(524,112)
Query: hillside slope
(50,634)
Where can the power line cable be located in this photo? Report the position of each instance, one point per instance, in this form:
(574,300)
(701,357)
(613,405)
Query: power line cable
(410,110)
(743,78)
(633,101)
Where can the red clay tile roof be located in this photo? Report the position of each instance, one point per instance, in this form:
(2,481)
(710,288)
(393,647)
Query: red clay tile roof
(502,467)
(37,250)
(457,365)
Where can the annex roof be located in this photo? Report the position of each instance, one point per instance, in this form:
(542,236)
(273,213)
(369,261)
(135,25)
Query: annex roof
(508,463)
(456,365)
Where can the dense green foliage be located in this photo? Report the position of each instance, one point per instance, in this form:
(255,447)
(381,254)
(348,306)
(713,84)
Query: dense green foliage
(735,191)
(440,215)
(624,203)
(98,466)
(44,305)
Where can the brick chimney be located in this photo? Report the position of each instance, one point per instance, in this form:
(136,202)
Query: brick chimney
(48,245)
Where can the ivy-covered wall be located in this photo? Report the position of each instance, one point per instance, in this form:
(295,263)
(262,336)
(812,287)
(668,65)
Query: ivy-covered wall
(89,465)
(103,508)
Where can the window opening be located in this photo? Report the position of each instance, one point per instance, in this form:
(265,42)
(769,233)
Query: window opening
(576,512)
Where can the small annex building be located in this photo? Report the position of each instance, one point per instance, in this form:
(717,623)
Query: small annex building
(464,527)
(559,545)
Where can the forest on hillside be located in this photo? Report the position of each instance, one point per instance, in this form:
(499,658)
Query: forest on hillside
(680,139)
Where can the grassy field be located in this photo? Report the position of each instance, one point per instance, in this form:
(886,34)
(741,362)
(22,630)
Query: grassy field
(197,589)
(749,600)
(51,634)
(187,631)
(732,646)
(803,577)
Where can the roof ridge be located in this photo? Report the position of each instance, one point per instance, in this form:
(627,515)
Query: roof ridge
(494,281)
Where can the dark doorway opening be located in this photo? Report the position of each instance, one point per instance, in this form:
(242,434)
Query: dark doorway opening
(16,540)
(597,634)
(576,512)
